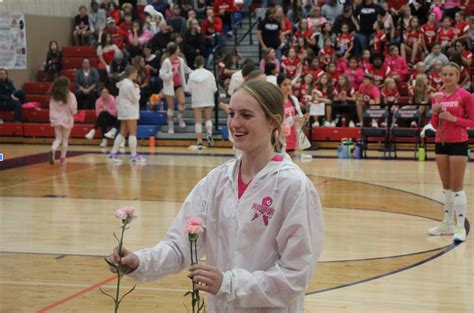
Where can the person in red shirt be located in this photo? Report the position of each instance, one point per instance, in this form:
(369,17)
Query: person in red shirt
(286,25)
(224,9)
(365,62)
(452,114)
(466,54)
(354,72)
(367,94)
(333,73)
(323,94)
(305,32)
(127,24)
(397,64)
(316,70)
(212,28)
(117,35)
(445,34)
(412,37)
(326,54)
(379,71)
(113,11)
(390,95)
(380,39)
(434,77)
(461,28)
(345,41)
(429,31)
(344,94)
(290,64)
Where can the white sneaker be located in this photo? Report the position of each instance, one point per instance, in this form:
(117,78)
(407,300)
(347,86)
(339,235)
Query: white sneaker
(171,130)
(351,124)
(210,139)
(332,124)
(90,134)
(1,121)
(443,229)
(182,124)
(360,124)
(316,124)
(103,144)
(459,234)
(111,133)
(374,124)
(326,124)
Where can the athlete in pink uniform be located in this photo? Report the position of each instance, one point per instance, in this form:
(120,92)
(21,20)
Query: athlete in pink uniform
(453,112)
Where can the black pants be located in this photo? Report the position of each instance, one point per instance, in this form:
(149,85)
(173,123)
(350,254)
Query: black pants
(105,121)
(86,101)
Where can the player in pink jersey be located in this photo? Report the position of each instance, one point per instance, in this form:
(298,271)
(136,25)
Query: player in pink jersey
(453,113)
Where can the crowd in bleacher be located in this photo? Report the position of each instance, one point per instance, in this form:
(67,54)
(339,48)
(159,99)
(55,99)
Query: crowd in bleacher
(358,53)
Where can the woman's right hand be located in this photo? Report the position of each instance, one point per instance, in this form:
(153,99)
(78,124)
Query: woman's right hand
(128,260)
(436,108)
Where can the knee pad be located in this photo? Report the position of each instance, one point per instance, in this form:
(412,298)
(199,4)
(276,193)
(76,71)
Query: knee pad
(198,127)
(209,123)
(169,112)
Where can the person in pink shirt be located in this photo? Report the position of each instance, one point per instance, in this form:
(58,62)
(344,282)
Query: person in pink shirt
(453,113)
(62,108)
(106,112)
(367,94)
(354,72)
(397,64)
(137,38)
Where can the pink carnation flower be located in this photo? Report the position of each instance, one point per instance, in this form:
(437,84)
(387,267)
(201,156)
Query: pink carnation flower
(194,225)
(125,212)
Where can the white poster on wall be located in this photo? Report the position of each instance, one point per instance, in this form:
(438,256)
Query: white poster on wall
(12,41)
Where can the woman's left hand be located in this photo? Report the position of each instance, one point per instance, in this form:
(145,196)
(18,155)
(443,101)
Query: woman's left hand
(447,116)
(207,278)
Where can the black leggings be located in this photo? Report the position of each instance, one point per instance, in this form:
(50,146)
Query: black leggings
(104,121)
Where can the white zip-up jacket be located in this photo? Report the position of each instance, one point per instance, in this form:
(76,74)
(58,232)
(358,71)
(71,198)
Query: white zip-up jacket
(267,243)
(128,107)
(166,74)
(202,86)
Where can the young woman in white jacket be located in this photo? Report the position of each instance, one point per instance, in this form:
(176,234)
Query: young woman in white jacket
(172,73)
(202,86)
(128,108)
(262,217)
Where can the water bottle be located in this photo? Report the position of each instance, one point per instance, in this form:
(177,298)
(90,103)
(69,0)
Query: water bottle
(358,151)
(468,154)
(340,154)
(421,154)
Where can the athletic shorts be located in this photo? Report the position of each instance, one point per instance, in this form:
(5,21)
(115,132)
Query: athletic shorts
(452,148)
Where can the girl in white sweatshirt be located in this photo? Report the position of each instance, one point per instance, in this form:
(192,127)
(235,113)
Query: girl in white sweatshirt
(262,217)
(202,86)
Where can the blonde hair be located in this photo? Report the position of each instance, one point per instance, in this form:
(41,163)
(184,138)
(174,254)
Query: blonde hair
(421,89)
(271,100)
(387,81)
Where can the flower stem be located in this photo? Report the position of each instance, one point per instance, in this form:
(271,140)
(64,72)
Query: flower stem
(119,272)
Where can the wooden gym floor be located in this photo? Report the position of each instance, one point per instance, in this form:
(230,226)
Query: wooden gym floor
(57,224)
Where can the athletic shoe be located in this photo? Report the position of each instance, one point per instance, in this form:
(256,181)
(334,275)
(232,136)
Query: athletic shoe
(210,140)
(51,157)
(326,124)
(374,124)
(413,124)
(111,133)
(360,124)
(90,134)
(351,124)
(316,124)
(171,130)
(332,124)
(1,121)
(137,159)
(182,124)
(459,234)
(103,144)
(62,161)
(200,146)
(115,157)
(443,229)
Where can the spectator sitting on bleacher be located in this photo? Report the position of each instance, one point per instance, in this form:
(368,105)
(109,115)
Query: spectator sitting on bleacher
(113,12)
(152,19)
(435,54)
(271,72)
(106,112)
(379,71)
(367,14)
(212,30)
(224,9)
(117,72)
(153,65)
(176,21)
(97,22)
(160,40)
(117,35)
(11,99)
(87,85)
(160,5)
(238,78)
(127,9)
(421,95)
(390,96)
(81,31)
(138,37)
(126,24)
(344,100)
(324,94)
(354,73)
(466,54)
(143,80)
(106,50)
(53,63)
(331,10)
(193,41)
(269,56)
(367,95)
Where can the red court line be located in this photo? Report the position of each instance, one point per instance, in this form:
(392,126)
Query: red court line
(323,182)
(76,295)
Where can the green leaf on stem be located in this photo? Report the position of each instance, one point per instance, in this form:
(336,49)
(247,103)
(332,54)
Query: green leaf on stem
(111,264)
(133,288)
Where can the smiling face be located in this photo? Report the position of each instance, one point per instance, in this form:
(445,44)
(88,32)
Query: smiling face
(250,128)
(450,77)
(285,87)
